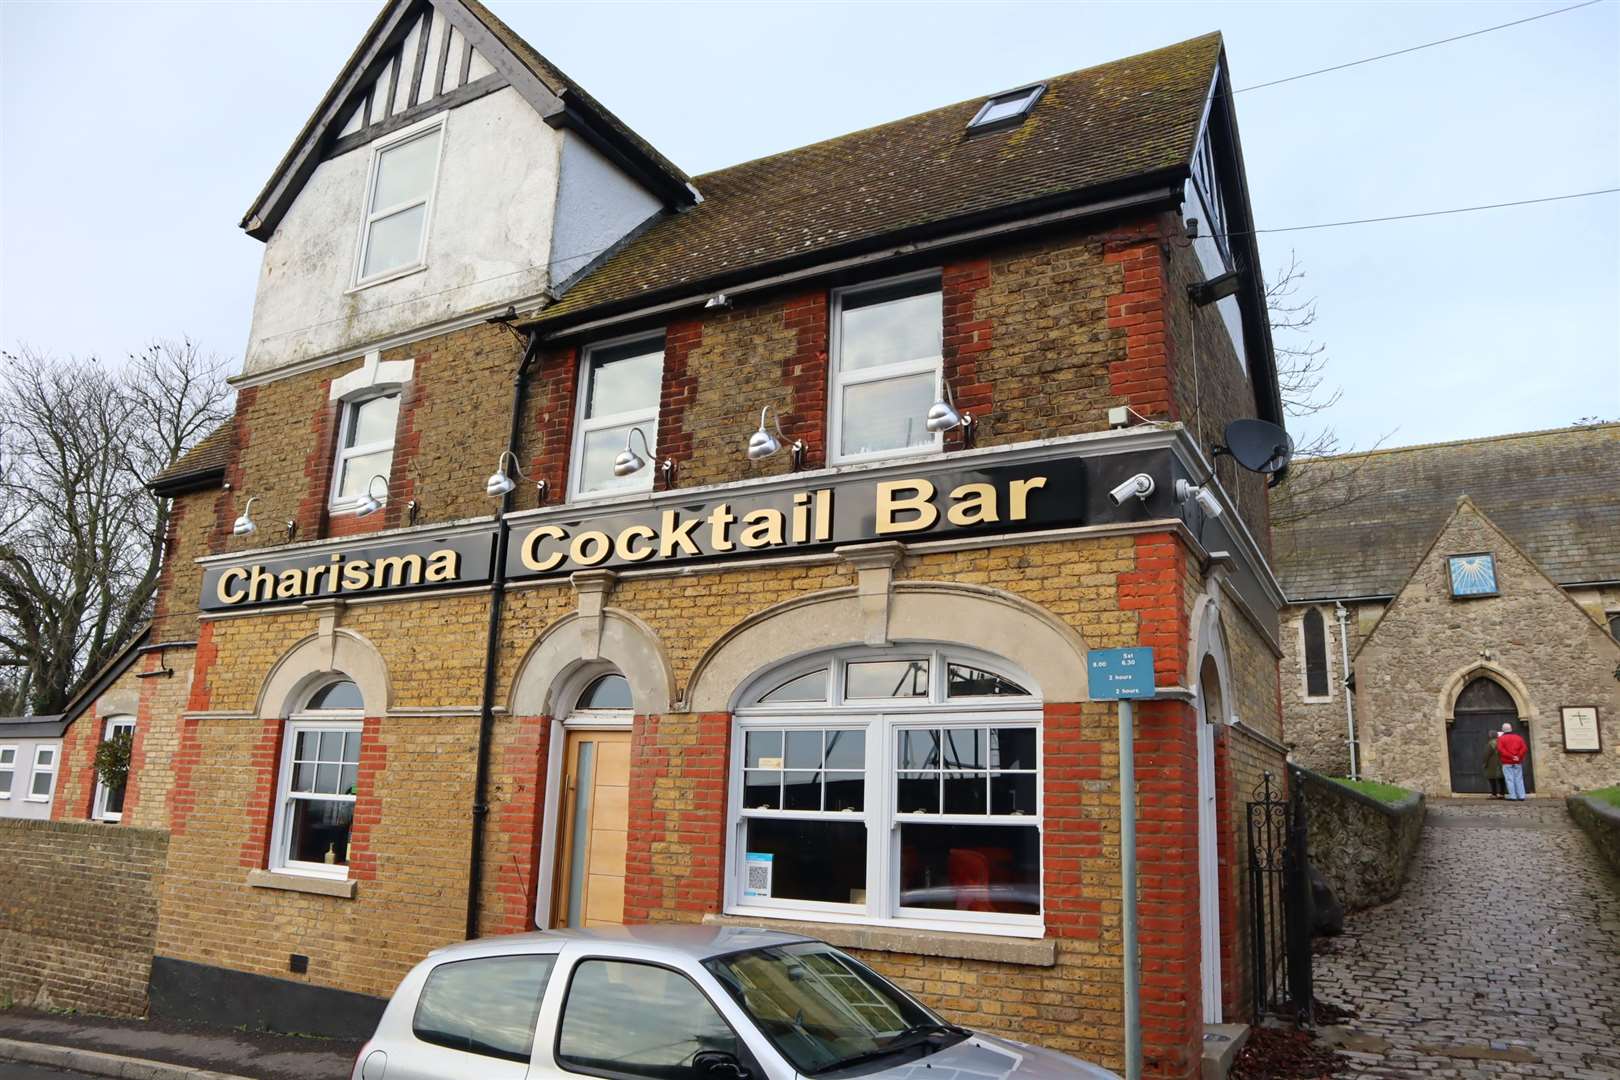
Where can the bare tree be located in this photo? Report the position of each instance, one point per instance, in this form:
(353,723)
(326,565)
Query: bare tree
(81,537)
(1323,480)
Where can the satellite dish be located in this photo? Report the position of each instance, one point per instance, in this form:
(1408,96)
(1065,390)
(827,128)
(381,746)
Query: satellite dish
(1258,446)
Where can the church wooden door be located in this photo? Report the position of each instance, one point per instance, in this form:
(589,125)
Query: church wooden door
(1482,708)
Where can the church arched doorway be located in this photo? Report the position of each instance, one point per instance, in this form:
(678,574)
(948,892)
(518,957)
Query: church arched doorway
(1483,706)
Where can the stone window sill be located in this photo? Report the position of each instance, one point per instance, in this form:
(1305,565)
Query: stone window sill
(1031,952)
(341,888)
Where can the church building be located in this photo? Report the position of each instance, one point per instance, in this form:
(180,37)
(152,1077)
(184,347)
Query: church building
(1460,587)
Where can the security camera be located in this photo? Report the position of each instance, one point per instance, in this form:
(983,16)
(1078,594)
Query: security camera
(1139,486)
(1205,498)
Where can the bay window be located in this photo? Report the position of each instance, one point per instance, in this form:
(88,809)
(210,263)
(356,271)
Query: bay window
(316,786)
(900,787)
(887,348)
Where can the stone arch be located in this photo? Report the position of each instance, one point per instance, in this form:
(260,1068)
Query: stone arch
(987,619)
(318,656)
(1208,642)
(1453,687)
(574,642)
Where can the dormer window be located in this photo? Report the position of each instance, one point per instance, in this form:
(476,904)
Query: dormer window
(1006,110)
(399,198)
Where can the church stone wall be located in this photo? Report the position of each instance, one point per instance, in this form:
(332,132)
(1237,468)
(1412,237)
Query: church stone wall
(1315,727)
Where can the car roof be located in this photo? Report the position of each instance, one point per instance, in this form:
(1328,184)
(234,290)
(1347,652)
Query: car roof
(692,941)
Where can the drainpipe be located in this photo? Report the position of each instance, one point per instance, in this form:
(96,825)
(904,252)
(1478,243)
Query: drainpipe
(497,599)
(1341,613)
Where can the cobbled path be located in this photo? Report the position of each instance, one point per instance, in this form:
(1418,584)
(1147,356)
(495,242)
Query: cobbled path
(1500,958)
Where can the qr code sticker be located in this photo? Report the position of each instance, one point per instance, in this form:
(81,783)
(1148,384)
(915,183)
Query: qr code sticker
(759,878)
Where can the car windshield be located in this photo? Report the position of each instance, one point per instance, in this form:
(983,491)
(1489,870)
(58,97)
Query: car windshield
(824,1011)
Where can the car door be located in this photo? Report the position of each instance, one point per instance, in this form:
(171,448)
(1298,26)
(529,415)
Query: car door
(474,1019)
(623,1017)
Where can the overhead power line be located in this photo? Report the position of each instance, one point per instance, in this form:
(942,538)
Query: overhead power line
(1428,213)
(1415,48)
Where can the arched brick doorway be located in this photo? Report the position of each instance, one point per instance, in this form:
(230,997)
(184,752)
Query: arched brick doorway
(1483,706)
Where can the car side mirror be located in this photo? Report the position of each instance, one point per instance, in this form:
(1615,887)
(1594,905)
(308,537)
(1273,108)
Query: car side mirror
(718,1065)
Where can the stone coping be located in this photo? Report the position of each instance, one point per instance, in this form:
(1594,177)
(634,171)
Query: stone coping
(342,888)
(1031,952)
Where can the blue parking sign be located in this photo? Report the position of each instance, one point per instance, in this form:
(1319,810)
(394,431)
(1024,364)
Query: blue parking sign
(1119,673)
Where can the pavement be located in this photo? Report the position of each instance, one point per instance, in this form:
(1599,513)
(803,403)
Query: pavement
(197,1052)
(1500,958)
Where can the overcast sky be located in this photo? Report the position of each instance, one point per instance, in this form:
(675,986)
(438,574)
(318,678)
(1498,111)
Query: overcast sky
(133,136)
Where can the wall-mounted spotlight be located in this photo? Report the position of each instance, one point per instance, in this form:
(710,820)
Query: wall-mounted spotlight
(942,416)
(244,526)
(1139,486)
(1216,288)
(629,461)
(1187,491)
(718,302)
(499,483)
(762,444)
(370,504)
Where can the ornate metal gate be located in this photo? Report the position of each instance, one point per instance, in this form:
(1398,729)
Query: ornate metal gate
(1280,905)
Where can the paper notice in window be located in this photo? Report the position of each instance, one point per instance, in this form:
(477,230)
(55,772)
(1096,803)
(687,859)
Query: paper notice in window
(770,763)
(757,873)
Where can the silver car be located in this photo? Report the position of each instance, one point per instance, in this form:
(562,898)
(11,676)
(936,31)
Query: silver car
(675,1003)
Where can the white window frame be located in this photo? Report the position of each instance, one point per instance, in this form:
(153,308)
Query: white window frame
(837,379)
(343,720)
(1028,94)
(112,727)
(348,407)
(645,419)
(8,767)
(432,128)
(882,720)
(1304,665)
(50,791)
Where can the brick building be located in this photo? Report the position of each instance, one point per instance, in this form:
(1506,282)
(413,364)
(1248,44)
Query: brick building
(492,609)
(1469,584)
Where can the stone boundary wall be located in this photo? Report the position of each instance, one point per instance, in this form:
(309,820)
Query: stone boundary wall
(1361,845)
(78,914)
(1601,822)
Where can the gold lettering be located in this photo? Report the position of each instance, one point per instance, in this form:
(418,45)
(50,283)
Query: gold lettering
(261,577)
(532,542)
(444,565)
(801,517)
(672,535)
(601,547)
(332,572)
(222,588)
(764,528)
(312,574)
(1018,497)
(357,575)
(720,521)
(404,569)
(290,585)
(890,502)
(635,553)
(823,515)
(973,504)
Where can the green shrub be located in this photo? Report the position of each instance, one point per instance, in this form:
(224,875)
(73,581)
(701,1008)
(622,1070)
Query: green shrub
(112,759)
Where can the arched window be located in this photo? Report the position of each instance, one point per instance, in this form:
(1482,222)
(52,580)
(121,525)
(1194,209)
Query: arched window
(900,786)
(1485,694)
(611,691)
(320,766)
(1314,629)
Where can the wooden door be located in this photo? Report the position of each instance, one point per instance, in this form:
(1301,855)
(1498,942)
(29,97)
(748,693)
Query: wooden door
(594,823)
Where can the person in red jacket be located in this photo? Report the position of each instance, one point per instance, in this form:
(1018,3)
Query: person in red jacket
(1513,750)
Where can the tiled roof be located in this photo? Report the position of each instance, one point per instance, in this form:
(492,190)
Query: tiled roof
(1106,128)
(202,463)
(1355,525)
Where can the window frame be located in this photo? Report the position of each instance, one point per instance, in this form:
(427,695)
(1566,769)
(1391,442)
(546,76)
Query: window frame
(1033,92)
(432,128)
(98,809)
(837,382)
(1611,620)
(341,720)
(646,420)
(29,794)
(1304,659)
(349,407)
(10,768)
(882,720)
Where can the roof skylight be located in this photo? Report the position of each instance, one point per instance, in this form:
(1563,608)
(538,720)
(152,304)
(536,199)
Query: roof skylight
(1005,110)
